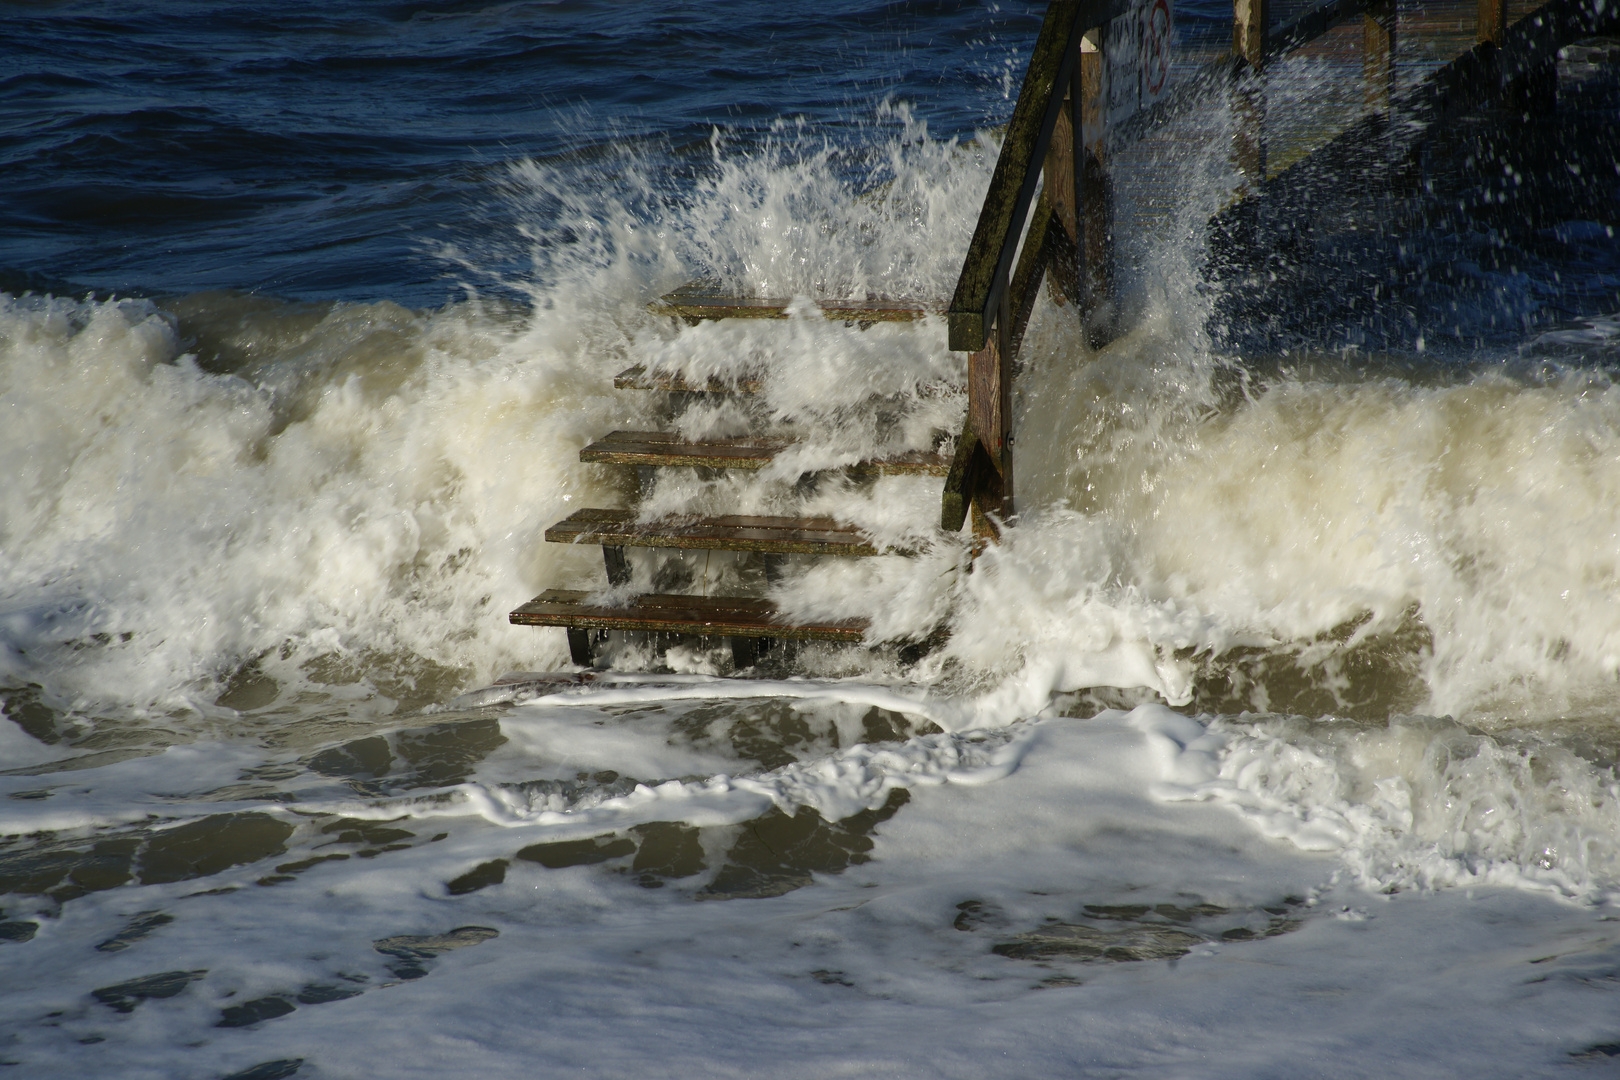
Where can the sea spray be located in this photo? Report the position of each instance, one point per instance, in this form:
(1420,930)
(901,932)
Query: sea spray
(357,492)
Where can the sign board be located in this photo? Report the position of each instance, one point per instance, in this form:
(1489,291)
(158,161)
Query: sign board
(1136,58)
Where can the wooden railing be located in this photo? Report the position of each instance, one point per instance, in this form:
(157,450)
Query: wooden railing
(1050,208)
(993,299)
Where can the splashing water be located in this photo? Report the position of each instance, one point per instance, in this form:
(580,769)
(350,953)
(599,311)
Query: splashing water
(253,551)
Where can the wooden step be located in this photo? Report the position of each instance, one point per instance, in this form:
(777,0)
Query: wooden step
(662,448)
(727,532)
(707,616)
(636,378)
(699,300)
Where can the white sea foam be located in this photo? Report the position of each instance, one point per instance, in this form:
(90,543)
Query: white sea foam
(241,541)
(837,786)
(896,959)
(1415,804)
(373,483)
(787,219)
(194,521)
(347,499)
(1488,507)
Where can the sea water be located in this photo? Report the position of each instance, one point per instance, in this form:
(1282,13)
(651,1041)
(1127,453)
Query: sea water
(1278,735)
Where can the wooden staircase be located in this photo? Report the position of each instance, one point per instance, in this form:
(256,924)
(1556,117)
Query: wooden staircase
(1048,216)
(986,317)
(751,623)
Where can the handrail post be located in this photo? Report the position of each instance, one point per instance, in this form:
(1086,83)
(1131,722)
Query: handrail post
(1096,193)
(1378,54)
(993,299)
(1060,187)
(1251,20)
(1490,21)
(989,386)
(1004,406)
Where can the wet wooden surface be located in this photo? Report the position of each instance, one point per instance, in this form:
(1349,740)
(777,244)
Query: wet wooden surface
(715,616)
(662,448)
(637,378)
(728,532)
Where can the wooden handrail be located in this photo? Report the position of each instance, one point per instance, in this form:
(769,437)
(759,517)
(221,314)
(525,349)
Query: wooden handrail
(1007,203)
(985,270)
(984,278)
(1071,227)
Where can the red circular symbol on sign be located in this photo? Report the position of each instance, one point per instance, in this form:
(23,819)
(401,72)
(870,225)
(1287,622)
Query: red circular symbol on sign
(1157,65)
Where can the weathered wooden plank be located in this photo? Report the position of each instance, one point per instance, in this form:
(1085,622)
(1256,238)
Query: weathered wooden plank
(701,300)
(709,616)
(666,449)
(1096,195)
(1046,233)
(1057,186)
(637,378)
(663,448)
(727,532)
(1005,328)
(984,395)
(990,502)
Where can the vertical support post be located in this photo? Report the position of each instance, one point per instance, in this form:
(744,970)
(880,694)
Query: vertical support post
(984,395)
(1058,190)
(1004,462)
(618,567)
(747,651)
(1251,20)
(984,426)
(1095,194)
(989,413)
(1490,28)
(582,646)
(981,476)
(1062,172)
(1378,54)
(1078,105)
(988,497)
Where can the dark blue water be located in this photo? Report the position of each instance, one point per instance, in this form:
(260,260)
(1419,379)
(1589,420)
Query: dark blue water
(326,150)
(342,150)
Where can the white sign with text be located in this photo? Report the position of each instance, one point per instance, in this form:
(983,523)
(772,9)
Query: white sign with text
(1136,54)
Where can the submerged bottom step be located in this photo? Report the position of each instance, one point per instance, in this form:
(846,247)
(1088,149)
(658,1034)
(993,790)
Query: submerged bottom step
(656,613)
(744,619)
